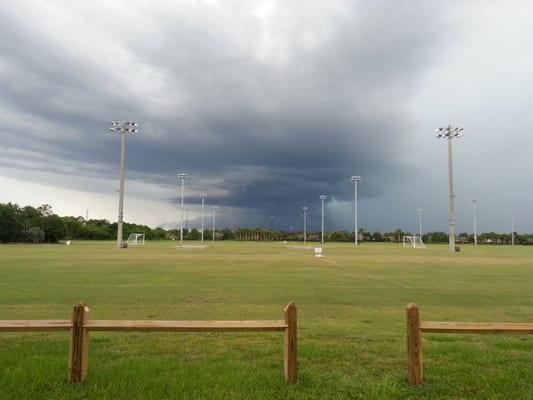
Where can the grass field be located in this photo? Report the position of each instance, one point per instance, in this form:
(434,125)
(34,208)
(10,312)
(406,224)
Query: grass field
(351,316)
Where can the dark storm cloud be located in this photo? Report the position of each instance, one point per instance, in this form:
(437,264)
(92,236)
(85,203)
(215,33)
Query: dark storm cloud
(269,104)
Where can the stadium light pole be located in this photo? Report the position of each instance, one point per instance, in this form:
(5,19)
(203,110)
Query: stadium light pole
(214,218)
(322,198)
(420,211)
(355,179)
(305,223)
(513,212)
(474,212)
(272,223)
(181,177)
(122,128)
(203,196)
(450,133)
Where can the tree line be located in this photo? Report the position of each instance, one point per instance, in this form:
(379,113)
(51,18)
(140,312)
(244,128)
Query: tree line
(41,225)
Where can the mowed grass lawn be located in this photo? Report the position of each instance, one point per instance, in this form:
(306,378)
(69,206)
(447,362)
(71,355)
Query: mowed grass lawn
(351,317)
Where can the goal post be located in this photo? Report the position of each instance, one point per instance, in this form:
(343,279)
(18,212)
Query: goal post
(413,241)
(135,239)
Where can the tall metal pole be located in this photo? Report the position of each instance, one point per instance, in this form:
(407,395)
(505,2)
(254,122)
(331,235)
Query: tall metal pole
(305,223)
(450,133)
(420,211)
(474,210)
(355,179)
(322,198)
(182,176)
(120,234)
(203,196)
(181,218)
(122,128)
(271,222)
(512,227)
(214,218)
(451,208)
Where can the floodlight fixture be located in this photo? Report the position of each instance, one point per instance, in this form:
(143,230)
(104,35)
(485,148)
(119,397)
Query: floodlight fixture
(119,127)
(181,177)
(305,209)
(322,198)
(122,128)
(203,197)
(355,179)
(450,133)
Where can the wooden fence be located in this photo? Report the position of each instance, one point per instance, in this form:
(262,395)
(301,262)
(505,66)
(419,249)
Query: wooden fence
(80,325)
(415,328)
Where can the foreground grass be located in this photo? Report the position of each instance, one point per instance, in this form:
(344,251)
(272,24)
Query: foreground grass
(351,320)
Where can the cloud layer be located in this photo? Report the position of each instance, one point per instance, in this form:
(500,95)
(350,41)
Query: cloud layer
(266,104)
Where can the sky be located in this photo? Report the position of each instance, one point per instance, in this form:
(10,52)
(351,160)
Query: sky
(268,104)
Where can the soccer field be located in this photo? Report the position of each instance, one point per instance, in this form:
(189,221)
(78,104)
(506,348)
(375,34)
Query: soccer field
(351,320)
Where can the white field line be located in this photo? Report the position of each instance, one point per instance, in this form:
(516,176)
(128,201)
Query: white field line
(336,264)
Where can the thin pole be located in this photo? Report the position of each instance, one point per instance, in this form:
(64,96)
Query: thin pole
(451,196)
(512,228)
(305,225)
(181,219)
(474,206)
(203,200)
(122,128)
(450,133)
(214,218)
(322,239)
(355,179)
(420,222)
(121,190)
(355,213)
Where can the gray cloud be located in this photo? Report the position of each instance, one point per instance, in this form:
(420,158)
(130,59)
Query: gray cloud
(265,103)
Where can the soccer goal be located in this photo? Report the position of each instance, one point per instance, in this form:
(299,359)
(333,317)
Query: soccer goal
(135,239)
(413,241)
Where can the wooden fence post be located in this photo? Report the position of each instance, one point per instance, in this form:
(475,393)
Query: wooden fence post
(290,364)
(79,344)
(414,346)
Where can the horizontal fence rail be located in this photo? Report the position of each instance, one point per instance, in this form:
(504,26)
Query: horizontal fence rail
(80,325)
(415,328)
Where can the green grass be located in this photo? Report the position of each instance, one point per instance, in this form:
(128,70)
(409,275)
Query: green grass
(351,317)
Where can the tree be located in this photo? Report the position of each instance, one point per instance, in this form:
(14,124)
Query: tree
(194,234)
(45,210)
(340,236)
(435,237)
(54,229)
(10,223)
(33,235)
(73,227)
(31,217)
(377,237)
(227,234)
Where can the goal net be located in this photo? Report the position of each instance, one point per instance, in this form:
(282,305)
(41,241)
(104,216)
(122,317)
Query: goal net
(413,241)
(135,239)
